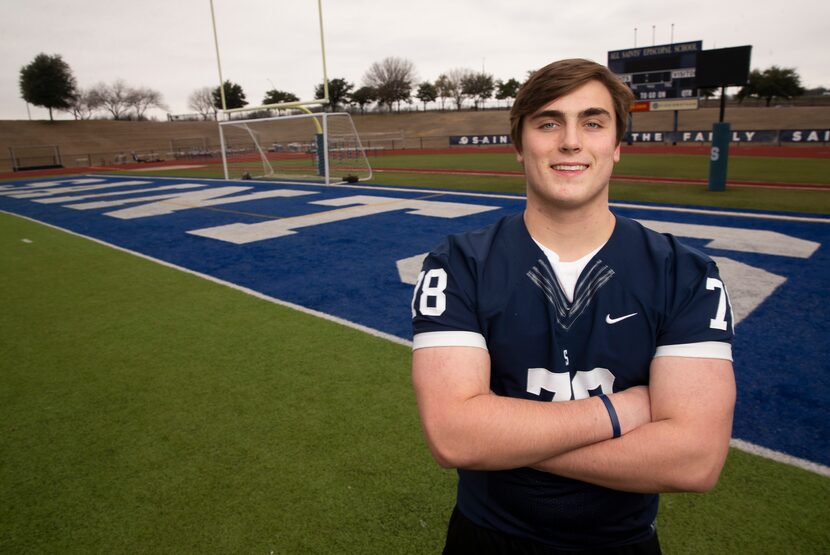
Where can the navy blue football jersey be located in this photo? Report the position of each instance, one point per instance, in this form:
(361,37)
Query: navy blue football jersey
(643,294)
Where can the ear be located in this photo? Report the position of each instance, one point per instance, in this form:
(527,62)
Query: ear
(617,153)
(519,158)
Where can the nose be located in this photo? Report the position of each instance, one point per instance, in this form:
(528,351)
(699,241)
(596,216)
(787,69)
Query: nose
(571,141)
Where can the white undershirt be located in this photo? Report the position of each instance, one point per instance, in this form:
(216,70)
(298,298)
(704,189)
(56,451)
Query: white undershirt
(567,273)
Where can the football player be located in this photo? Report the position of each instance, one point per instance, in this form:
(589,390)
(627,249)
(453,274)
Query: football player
(569,362)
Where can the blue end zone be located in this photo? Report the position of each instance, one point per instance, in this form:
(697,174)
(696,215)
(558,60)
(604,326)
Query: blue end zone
(350,251)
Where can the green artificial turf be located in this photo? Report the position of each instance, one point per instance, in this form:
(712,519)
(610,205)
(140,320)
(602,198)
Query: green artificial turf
(145,410)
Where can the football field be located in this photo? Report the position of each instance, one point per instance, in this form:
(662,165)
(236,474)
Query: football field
(150,409)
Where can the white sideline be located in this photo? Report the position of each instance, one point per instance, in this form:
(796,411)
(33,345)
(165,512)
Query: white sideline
(778,456)
(736,443)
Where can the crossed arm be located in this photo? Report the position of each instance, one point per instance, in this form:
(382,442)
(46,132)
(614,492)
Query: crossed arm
(675,433)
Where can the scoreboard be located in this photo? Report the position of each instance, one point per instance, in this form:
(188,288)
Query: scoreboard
(657,73)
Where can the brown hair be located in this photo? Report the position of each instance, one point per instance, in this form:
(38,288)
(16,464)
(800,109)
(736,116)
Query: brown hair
(559,79)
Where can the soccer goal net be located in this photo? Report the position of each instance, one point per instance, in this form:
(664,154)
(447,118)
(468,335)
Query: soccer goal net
(35,157)
(321,147)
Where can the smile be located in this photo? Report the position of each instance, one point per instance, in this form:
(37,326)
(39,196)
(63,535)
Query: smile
(569,167)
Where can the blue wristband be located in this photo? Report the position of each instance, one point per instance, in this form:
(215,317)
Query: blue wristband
(615,422)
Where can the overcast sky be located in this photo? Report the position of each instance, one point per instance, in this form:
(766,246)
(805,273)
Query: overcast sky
(168,45)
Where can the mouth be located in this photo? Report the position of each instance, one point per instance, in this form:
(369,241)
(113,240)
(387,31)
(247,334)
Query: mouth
(569,167)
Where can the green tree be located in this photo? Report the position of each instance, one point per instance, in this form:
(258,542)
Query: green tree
(364,96)
(426,93)
(48,82)
(707,92)
(506,90)
(276,96)
(478,86)
(339,90)
(234,96)
(773,82)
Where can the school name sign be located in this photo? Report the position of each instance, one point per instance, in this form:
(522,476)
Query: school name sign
(480,140)
(756,136)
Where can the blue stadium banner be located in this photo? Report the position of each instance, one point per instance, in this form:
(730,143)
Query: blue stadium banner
(649,136)
(742,136)
(480,140)
(805,136)
(705,136)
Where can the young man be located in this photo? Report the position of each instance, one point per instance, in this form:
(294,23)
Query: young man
(627,331)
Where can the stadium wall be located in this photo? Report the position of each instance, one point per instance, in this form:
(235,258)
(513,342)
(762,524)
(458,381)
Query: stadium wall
(103,142)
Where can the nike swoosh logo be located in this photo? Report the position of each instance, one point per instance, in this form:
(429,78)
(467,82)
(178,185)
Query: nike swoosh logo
(609,320)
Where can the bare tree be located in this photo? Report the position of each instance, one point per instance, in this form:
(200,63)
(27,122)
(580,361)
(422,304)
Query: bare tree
(143,98)
(443,88)
(114,98)
(84,104)
(201,100)
(392,80)
(455,84)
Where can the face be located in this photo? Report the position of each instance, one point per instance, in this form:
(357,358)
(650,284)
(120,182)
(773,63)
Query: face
(569,148)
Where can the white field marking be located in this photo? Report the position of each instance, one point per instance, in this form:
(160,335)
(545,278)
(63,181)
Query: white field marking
(168,203)
(347,208)
(36,190)
(410,268)
(51,191)
(6,190)
(783,217)
(75,198)
(156,168)
(746,285)
(27,240)
(736,443)
(778,456)
(344,185)
(739,239)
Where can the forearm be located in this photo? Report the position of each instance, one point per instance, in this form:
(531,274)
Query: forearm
(466,426)
(685,446)
(489,432)
(657,457)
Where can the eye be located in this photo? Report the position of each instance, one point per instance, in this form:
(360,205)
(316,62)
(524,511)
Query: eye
(593,125)
(548,125)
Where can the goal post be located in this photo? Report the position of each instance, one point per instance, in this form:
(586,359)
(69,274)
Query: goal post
(321,147)
(279,105)
(38,157)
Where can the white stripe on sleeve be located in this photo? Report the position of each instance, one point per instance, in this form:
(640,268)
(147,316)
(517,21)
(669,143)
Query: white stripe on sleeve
(449,339)
(704,349)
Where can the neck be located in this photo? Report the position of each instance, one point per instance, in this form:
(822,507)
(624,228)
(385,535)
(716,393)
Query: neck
(570,233)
